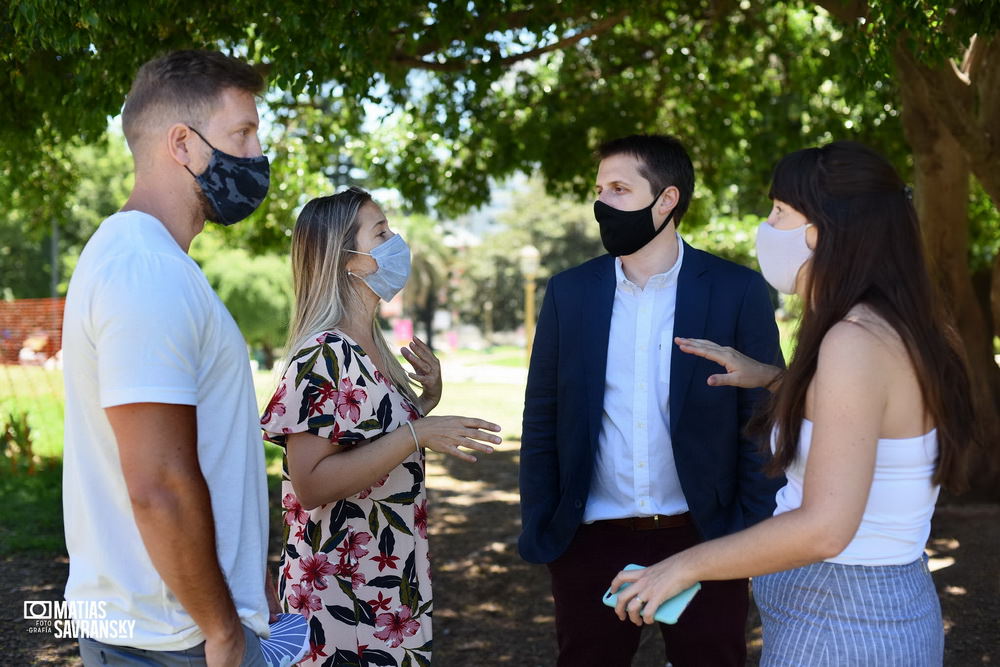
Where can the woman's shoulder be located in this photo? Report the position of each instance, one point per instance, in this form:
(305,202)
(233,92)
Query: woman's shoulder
(863,342)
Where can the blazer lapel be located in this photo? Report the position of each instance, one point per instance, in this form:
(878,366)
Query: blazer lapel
(690,313)
(597,301)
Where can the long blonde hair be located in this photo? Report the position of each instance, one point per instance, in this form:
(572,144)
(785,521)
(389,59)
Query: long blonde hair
(324,293)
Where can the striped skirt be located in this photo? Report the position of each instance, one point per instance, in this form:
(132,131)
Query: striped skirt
(831,615)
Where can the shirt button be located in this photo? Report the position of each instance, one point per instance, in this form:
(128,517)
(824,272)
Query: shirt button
(642,465)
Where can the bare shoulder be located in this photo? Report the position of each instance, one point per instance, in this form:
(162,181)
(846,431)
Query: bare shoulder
(858,350)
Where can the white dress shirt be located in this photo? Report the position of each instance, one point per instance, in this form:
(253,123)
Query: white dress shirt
(634,470)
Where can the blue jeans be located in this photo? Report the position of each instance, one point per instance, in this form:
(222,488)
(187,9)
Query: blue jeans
(95,653)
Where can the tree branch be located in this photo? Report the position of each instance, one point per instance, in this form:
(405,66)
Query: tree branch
(459,64)
(954,103)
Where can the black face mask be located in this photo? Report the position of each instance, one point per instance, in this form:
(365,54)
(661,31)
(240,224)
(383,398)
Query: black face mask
(234,186)
(625,232)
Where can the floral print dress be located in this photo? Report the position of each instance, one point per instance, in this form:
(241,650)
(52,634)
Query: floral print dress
(357,568)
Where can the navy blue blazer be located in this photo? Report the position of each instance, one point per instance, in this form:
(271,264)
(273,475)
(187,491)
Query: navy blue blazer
(719,469)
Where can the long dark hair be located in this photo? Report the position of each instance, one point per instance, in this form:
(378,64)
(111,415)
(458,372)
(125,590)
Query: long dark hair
(869,251)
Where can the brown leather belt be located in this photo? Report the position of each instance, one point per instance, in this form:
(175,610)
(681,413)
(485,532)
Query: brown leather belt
(655,522)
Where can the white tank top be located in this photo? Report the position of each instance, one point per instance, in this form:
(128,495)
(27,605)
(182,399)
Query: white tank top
(897,518)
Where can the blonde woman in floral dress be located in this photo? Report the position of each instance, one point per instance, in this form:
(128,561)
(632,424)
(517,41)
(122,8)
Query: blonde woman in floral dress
(355,559)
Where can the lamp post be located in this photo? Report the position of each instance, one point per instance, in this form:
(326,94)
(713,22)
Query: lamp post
(529,268)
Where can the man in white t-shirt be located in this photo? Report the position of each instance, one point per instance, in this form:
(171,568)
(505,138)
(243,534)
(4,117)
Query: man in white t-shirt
(164,488)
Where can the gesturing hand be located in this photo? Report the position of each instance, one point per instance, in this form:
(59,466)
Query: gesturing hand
(447,434)
(741,370)
(427,372)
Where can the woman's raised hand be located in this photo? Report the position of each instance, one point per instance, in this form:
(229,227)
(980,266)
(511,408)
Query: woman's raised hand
(449,435)
(741,370)
(426,371)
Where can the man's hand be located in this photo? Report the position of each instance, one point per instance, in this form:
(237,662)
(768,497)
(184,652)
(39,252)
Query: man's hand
(226,650)
(271,593)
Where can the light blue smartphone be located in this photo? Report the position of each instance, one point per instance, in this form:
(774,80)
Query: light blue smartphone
(670,610)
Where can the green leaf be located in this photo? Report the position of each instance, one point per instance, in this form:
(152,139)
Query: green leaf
(394,520)
(369,425)
(305,368)
(404,498)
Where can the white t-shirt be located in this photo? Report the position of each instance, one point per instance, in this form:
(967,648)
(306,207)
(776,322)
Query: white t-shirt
(142,325)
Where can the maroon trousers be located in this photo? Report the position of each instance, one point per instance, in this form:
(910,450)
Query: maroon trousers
(709,633)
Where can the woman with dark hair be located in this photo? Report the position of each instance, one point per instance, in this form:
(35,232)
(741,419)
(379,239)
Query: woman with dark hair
(872,417)
(354,555)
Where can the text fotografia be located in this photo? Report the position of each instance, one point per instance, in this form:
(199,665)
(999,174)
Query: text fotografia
(73,620)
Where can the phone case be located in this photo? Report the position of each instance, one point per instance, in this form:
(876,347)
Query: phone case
(670,610)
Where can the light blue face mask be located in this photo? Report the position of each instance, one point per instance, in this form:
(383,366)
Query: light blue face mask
(393,260)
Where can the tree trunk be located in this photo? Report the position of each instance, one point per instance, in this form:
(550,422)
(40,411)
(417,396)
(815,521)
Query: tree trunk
(941,173)
(426,314)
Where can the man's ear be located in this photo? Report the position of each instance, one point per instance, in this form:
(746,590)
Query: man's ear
(668,200)
(180,144)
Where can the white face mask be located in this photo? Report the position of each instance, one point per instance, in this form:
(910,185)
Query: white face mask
(781,253)
(393,260)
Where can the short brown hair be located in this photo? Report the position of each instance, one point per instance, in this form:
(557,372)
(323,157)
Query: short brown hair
(183,86)
(663,161)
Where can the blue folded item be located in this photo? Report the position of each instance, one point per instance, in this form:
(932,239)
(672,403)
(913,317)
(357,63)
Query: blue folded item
(670,610)
(288,642)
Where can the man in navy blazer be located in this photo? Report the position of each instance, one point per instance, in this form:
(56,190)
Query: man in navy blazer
(627,454)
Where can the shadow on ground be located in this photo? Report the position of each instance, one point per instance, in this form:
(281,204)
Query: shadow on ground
(492,608)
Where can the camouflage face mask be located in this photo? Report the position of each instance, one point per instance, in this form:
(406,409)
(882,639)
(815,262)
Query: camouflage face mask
(234,186)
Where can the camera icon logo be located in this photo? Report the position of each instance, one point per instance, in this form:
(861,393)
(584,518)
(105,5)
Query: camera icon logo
(37,610)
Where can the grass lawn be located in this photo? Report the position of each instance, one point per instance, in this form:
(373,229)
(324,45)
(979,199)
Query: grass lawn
(31,521)
(499,403)
(40,393)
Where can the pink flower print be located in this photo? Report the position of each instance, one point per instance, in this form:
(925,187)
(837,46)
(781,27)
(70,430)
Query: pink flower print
(350,569)
(336,433)
(326,392)
(380,604)
(411,411)
(420,518)
(353,545)
(275,405)
(315,652)
(294,513)
(393,627)
(385,561)
(367,492)
(300,534)
(315,569)
(287,573)
(302,598)
(349,400)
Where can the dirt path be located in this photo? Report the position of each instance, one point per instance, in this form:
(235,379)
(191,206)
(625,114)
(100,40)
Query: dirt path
(491,608)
